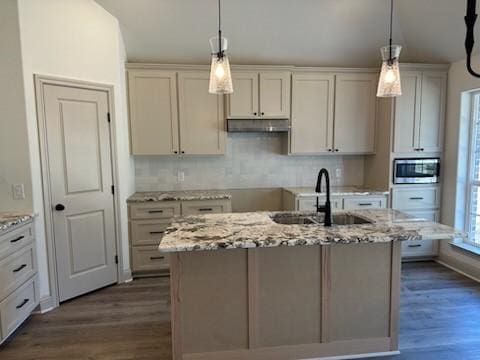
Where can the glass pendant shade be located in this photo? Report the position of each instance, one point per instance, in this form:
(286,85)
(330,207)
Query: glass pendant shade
(220,75)
(389,84)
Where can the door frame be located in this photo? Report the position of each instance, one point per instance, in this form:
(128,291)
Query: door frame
(40,81)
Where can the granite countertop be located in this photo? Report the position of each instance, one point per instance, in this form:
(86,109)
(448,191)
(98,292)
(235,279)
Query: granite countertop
(337,191)
(179,195)
(9,220)
(257,229)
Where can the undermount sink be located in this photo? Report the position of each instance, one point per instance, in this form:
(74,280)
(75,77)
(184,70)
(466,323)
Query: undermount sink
(300,219)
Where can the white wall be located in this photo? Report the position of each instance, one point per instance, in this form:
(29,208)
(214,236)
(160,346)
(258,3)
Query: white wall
(74,39)
(252,161)
(460,82)
(14,154)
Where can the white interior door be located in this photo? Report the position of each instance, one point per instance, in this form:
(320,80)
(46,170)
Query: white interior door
(79,156)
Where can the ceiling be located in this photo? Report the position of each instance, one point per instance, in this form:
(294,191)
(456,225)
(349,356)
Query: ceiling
(291,32)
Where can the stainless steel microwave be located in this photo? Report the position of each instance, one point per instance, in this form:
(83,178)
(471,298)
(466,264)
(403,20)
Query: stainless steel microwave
(416,171)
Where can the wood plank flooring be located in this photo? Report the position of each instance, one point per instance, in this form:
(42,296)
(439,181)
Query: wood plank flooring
(440,319)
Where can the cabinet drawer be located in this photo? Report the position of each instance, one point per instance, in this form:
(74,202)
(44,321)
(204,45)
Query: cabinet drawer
(16,269)
(430,215)
(418,198)
(156,210)
(18,306)
(148,232)
(364,203)
(16,239)
(206,207)
(417,248)
(148,258)
(310,204)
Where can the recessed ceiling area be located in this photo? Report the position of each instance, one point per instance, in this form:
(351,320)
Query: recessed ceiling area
(300,32)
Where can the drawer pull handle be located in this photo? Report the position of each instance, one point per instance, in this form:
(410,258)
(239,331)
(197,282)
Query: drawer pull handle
(416,198)
(155,211)
(205,209)
(17,239)
(156,232)
(414,246)
(365,204)
(23,266)
(157,257)
(24,302)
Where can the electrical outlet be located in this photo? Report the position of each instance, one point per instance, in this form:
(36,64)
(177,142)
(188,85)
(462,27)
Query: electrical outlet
(338,173)
(18,191)
(181,176)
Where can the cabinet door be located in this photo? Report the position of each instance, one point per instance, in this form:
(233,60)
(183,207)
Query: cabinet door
(312,113)
(355,113)
(432,111)
(243,102)
(202,125)
(407,113)
(275,94)
(153,112)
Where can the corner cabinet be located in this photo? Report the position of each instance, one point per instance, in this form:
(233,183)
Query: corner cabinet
(262,95)
(333,113)
(172,112)
(420,112)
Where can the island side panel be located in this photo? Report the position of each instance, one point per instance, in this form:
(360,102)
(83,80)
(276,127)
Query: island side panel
(213,301)
(288,296)
(395,294)
(359,299)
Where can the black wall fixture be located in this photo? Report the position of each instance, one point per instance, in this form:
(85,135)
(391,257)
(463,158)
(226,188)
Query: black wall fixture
(470,19)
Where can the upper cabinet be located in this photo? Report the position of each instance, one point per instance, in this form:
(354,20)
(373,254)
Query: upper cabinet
(263,95)
(355,96)
(420,112)
(333,113)
(312,113)
(153,112)
(173,113)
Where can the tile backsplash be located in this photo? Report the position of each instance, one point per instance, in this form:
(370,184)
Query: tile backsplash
(253,160)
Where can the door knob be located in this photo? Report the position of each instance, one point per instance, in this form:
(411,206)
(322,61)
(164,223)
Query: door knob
(59,207)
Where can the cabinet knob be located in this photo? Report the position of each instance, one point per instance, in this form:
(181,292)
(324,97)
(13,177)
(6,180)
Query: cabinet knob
(59,207)
(422,149)
(263,113)
(183,152)
(336,150)
(255,113)
(330,150)
(175,152)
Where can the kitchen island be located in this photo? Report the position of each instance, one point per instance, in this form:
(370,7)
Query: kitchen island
(282,286)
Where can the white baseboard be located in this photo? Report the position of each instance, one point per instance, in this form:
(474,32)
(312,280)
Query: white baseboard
(46,304)
(126,276)
(458,270)
(358,356)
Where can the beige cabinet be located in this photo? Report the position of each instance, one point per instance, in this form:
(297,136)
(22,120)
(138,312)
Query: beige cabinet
(312,113)
(172,112)
(153,112)
(420,112)
(355,113)
(263,94)
(202,124)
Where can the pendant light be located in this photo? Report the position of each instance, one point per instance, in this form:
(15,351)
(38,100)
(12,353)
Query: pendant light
(389,84)
(220,76)
(470,19)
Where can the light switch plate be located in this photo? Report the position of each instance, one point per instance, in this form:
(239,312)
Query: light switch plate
(338,173)
(18,191)
(181,176)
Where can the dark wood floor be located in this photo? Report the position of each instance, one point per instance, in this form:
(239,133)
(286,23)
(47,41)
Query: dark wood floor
(440,319)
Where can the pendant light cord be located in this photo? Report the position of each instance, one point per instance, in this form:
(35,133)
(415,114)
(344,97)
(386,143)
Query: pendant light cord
(220,51)
(390,60)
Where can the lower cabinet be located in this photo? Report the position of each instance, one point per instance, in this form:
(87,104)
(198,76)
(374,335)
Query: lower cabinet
(148,222)
(421,202)
(19,294)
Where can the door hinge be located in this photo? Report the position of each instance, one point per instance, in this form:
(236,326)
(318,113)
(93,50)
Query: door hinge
(116,259)
(108,117)
(113,189)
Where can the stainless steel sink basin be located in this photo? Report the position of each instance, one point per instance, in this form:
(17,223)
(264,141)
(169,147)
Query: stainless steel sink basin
(313,219)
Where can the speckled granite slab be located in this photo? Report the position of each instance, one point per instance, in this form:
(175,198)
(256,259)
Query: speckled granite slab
(10,220)
(179,195)
(337,191)
(257,229)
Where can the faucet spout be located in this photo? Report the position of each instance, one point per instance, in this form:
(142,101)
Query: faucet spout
(327,208)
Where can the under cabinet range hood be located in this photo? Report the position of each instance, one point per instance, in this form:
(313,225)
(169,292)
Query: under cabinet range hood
(258,125)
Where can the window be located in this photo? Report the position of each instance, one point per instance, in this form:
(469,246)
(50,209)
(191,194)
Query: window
(473,188)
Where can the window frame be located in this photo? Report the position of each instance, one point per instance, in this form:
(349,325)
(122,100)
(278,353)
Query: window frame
(474,123)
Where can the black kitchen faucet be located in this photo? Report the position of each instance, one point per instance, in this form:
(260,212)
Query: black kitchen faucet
(327,208)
